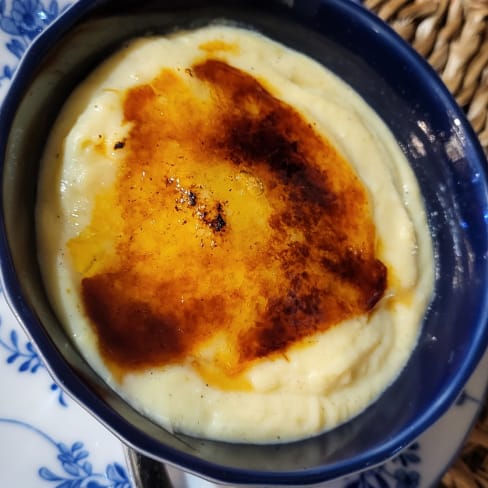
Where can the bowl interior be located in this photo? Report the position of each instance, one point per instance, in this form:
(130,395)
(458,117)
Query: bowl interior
(430,129)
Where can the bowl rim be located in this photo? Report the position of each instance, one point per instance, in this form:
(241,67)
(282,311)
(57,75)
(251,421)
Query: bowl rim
(129,434)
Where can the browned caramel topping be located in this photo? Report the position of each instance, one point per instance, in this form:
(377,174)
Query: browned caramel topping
(235,229)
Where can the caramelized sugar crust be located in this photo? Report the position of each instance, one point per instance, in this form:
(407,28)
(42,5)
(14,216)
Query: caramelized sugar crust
(234,230)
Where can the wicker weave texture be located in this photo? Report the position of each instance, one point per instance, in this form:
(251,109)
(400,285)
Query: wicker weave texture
(453,36)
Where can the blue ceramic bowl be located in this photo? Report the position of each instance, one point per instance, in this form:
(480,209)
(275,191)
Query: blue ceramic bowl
(431,130)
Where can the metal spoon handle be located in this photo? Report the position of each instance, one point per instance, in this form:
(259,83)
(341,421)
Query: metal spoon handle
(146,472)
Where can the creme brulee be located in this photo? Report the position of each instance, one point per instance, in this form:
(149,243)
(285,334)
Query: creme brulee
(232,237)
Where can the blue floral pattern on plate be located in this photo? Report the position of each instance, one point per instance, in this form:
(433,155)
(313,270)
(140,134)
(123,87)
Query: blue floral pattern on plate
(26,358)
(23,20)
(400,472)
(74,461)
(418,465)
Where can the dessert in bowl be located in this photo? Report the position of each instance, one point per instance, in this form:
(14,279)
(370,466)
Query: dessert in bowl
(448,235)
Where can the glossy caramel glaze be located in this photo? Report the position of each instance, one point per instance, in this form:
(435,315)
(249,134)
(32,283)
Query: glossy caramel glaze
(234,230)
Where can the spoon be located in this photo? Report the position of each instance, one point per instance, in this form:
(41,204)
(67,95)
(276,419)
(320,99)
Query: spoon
(146,472)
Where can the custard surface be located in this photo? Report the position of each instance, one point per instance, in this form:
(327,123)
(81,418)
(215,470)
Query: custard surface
(234,239)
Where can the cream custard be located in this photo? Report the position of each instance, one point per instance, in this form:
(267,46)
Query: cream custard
(232,237)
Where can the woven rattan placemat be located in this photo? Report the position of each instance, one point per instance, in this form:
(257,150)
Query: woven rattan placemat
(453,36)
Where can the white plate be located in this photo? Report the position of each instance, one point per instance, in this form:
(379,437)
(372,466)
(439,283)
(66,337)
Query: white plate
(47,440)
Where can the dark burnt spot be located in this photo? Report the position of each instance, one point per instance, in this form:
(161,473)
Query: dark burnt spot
(119,145)
(142,329)
(214,218)
(218,223)
(258,140)
(192,199)
(288,319)
(262,141)
(264,131)
(300,250)
(368,276)
(129,332)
